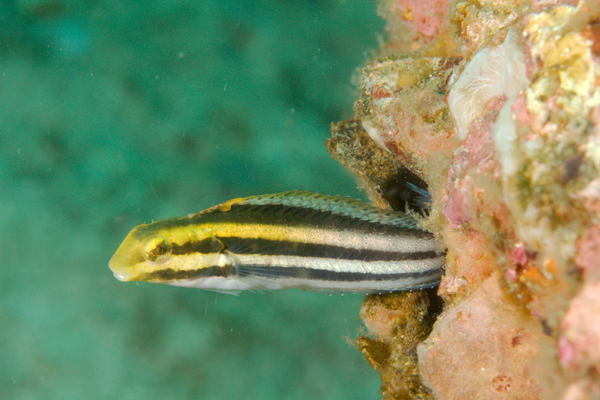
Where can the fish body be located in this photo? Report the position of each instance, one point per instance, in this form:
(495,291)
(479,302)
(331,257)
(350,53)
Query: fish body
(295,239)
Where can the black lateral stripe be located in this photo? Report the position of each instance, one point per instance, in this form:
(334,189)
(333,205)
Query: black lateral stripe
(205,246)
(430,275)
(285,248)
(175,275)
(282,248)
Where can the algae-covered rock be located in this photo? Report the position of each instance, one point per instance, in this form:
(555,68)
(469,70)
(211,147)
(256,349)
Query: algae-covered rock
(496,106)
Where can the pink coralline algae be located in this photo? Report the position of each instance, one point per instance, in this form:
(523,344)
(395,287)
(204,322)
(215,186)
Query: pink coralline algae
(412,23)
(423,16)
(475,162)
(588,254)
(580,331)
(496,106)
(496,343)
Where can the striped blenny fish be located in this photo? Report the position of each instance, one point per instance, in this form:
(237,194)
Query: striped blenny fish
(295,239)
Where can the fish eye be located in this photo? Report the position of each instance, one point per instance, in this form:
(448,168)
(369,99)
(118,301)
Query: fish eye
(156,250)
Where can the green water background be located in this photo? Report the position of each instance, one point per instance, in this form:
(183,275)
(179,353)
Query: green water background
(115,113)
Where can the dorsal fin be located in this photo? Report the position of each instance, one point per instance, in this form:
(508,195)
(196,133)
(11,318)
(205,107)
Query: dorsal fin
(340,205)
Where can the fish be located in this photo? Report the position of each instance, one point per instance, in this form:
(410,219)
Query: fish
(296,239)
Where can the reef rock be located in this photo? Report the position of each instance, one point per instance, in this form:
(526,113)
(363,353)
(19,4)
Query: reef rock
(495,105)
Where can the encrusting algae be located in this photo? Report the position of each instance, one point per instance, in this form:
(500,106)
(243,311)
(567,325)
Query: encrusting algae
(400,323)
(495,105)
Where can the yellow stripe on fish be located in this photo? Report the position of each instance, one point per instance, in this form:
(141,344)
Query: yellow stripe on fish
(295,239)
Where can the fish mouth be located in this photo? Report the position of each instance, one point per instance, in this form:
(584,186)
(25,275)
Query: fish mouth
(120,267)
(118,273)
(122,278)
(126,258)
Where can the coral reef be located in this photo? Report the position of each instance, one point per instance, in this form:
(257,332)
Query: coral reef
(496,106)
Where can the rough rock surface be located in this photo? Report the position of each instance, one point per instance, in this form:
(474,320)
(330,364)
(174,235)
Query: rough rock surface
(496,106)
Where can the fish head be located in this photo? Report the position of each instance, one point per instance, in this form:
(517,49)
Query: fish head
(160,252)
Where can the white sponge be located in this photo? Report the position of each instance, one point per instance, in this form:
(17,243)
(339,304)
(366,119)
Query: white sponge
(490,73)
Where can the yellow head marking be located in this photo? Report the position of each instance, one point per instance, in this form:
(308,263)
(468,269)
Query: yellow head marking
(159,251)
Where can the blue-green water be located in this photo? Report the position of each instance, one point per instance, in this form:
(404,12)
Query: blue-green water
(115,113)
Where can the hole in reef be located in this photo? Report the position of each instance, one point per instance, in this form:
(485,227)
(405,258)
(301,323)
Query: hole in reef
(397,191)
